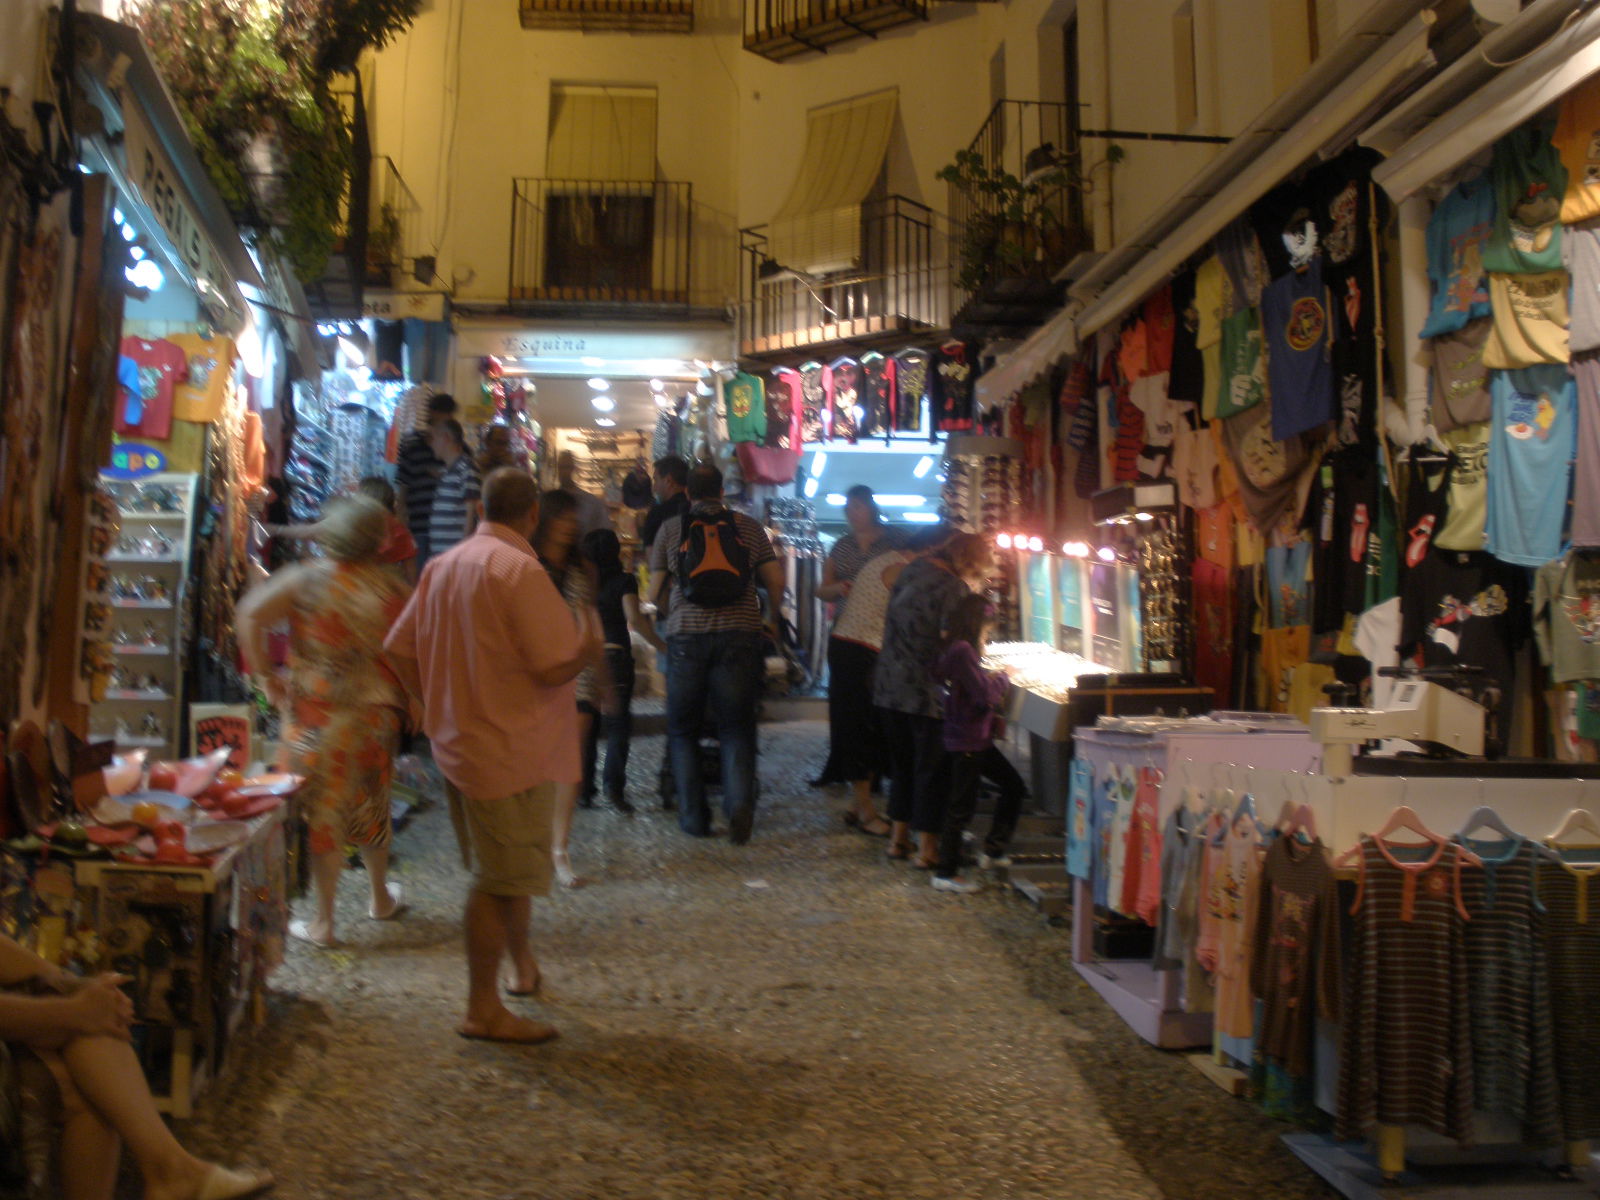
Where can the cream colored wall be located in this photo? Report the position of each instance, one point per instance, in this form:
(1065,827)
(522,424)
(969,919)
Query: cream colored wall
(22,26)
(734,124)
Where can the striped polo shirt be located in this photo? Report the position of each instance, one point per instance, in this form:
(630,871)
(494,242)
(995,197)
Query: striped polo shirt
(457,488)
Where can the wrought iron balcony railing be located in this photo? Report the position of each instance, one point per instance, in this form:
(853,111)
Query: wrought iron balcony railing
(595,241)
(901,286)
(394,229)
(609,16)
(784,29)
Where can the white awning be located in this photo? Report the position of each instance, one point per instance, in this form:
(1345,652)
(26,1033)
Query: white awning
(1511,98)
(818,228)
(606,134)
(1056,339)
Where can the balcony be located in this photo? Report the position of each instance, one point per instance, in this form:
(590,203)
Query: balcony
(596,243)
(1019,215)
(394,229)
(609,16)
(783,29)
(901,288)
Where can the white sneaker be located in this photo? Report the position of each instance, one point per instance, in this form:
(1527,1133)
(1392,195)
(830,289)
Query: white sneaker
(954,883)
(989,862)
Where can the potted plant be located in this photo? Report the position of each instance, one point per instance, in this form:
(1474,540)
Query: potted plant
(383,247)
(1019,227)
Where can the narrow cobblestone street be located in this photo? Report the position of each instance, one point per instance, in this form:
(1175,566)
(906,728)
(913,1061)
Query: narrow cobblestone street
(794,1018)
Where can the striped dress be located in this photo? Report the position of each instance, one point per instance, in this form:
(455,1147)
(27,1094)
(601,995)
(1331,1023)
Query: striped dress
(1571,896)
(1405,1049)
(1512,1071)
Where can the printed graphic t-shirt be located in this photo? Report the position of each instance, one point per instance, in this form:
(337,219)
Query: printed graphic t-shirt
(1530,320)
(745,402)
(1586,467)
(1529,183)
(1532,439)
(1466,508)
(161,366)
(1460,380)
(1577,141)
(1243,370)
(199,396)
(1456,233)
(1294,318)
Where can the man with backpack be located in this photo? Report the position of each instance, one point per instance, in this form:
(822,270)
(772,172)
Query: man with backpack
(714,558)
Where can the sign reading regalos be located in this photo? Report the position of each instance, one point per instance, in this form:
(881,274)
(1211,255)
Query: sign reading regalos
(135,460)
(152,172)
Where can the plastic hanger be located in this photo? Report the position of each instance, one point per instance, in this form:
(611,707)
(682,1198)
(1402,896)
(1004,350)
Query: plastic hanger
(1578,821)
(1485,817)
(1405,818)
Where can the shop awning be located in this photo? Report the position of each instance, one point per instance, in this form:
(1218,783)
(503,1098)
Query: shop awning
(818,228)
(1489,111)
(1056,339)
(605,134)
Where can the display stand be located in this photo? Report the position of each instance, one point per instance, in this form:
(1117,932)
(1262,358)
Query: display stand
(198,944)
(1149,1000)
(1533,798)
(146,597)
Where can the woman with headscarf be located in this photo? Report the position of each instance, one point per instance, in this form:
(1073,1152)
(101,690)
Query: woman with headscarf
(342,705)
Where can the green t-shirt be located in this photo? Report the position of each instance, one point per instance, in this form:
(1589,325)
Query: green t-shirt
(744,400)
(1243,376)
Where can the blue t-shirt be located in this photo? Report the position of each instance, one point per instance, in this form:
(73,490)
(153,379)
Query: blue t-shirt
(1106,790)
(1288,598)
(1080,819)
(1294,320)
(1532,439)
(1456,234)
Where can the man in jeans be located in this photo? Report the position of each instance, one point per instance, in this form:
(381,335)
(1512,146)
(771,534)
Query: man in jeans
(714,654)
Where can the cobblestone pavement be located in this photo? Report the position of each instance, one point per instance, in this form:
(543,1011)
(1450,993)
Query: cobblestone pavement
(793,1018)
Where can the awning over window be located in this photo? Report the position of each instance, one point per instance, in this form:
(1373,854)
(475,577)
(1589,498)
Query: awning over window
(602,133)
(818,228)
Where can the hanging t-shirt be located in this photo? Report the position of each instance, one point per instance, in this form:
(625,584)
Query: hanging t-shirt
(1465,609)
(1467,507)
(1282,650)
(1530,320)
(1239,251)
(1243,366)
(210,360)
(1460,380)
(1212,586)
(1287,594)
(1269,471)
(1213,299)
(1159,331)
(1577,141)
(1532,439)
(813,402)
(1107,788)
(1529,183)
(1294,318)
(1162,418)
(877,393)
(1133,350)
(1142,890)
(744,401)
(161,366)
(1211,380)
(783,410)
(1580,250)
(1186,381)
(1194,465)
(1586,465)
(1213,536)
(1566,617)
(951,391)
(844,398)
(1457,232)
(1080,820)
(1427,492)
(911,379)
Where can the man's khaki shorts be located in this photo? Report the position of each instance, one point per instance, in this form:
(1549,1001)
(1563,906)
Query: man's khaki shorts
(505,843)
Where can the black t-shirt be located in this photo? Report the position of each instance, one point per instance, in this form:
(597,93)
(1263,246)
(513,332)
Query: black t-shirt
(1186,381)
(1465,609)
(663,511)
(613,620)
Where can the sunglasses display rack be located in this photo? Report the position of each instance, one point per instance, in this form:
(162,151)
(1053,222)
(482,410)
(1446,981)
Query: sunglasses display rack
(793,524)
(133,612)
(983,493)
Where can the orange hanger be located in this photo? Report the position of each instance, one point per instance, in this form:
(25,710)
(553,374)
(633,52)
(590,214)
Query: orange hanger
(1404,817)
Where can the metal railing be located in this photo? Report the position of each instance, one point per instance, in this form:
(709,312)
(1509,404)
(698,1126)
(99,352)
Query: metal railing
(629,16)
(1024,139)
(902,283)
(394,224)
(601,241)
(781,29)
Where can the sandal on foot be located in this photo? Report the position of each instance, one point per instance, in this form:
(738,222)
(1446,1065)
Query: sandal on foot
(222,1184)
(397,904)
(301,932)
(898,850)
(873,826)
(517,1031)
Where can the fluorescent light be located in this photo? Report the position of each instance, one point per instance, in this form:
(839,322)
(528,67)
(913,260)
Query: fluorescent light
(136,252)
(599,384)
(657,386)
(1036,544)
(819,463)
(924,465)
(1106,554)
(920,518)
(889,500)
(604,422)
(128,232)
(146,274)
(811,488)
(116,216)
(602,403)
(834,498)
(1144,516)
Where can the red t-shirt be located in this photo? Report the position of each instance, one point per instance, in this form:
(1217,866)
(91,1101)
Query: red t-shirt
(398,544)
(161,366)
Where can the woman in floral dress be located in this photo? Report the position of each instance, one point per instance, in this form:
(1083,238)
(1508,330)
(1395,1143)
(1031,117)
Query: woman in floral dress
(342,706)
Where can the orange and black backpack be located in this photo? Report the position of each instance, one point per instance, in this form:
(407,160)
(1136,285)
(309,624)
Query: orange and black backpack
(713,568)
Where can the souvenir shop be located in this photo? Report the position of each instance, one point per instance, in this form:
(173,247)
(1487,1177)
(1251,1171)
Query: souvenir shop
(1334,467)
(151,353)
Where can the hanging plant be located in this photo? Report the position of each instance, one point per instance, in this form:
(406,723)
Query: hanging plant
(252,81)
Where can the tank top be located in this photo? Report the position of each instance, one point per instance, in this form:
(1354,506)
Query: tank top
(877,390)
(861,620)
(1571,896)
(812,400)
(1405,1050)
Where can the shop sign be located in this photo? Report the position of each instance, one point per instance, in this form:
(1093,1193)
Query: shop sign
(213,726)
(563,351)
(152,173)
(393,306)
(135,460)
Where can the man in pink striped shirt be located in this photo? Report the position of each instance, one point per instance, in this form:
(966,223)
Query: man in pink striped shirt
(491,649)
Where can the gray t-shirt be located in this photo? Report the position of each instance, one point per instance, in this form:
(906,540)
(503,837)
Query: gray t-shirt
(1580,252)
(1586,467)
(1566,617)
(1460,380)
